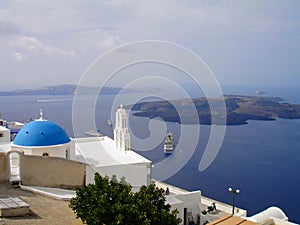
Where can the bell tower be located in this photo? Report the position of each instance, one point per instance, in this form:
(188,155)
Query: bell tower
(121,132)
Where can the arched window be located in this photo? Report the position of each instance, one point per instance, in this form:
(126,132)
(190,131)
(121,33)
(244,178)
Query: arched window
(45,154)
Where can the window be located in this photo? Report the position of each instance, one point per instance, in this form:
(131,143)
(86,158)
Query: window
(45,154)
(1,134)
(68,153)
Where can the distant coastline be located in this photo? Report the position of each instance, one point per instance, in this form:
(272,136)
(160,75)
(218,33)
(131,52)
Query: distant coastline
(70,89)
(239,110)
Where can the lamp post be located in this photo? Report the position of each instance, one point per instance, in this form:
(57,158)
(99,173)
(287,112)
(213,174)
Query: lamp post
(233,195)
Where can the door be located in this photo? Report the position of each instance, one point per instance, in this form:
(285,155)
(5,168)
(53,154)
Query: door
(14,167)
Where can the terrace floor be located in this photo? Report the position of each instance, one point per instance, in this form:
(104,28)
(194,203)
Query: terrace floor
(43,210)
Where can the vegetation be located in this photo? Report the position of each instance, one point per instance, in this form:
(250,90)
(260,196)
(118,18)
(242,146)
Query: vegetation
(110,202)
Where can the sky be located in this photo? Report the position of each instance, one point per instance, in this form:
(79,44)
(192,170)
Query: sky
(244,43)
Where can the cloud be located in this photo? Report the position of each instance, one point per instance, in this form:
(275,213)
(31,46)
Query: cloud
(17,56)
(97,40)
(234,37)
(34,45)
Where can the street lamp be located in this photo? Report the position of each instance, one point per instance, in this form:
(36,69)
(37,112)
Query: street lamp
(233,194)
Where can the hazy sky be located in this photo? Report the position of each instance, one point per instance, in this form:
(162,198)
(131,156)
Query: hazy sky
(246,42)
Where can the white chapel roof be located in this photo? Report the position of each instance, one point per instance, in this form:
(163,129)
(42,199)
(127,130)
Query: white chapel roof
(101,151)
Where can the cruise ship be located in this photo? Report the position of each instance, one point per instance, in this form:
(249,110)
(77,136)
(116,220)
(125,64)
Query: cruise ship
(169,143)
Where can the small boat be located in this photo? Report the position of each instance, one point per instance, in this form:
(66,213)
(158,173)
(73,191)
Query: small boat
(14,125)
(93,133)
(259,92)
(169,143)
(109,122)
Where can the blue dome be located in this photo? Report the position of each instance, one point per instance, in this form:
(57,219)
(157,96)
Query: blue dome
(41,133)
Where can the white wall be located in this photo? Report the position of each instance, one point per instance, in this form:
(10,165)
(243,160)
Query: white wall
(72,149)
(175,203)
(136,175)
(190,200)
(52,151)
(4,135)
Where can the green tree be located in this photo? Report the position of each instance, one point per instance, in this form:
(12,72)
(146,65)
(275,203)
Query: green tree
(151,202)
(109,202)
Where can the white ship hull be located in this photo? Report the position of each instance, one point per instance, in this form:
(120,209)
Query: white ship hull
(169,144)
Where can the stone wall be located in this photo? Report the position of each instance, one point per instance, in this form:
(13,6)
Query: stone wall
(52,172)
(3,168)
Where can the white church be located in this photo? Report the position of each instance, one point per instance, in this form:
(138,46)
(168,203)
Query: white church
(114,157)
(46,141)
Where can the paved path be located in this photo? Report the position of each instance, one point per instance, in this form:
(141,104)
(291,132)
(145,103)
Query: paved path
(43,210)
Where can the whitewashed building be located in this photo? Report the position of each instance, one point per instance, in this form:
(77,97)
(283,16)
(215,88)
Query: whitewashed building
(101,154)
(4,135)
(114,157)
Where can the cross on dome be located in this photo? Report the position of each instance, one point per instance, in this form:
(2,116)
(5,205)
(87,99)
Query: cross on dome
(41,115)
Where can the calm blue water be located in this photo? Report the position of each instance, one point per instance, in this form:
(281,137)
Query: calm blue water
(262,159)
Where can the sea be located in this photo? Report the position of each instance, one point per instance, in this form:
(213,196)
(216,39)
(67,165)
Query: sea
(261,158)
